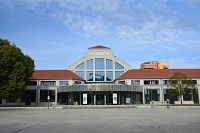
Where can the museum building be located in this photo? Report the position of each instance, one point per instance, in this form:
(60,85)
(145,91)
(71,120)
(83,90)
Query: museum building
(100,78)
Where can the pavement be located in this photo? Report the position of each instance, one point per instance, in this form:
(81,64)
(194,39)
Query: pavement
(98,120)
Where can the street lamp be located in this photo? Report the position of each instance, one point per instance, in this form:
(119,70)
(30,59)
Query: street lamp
(151,100)
(48,99)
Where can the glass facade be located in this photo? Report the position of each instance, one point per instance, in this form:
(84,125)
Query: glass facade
(118,66)
(151,95)
(45,93)
(99,76)
(109,64)
(90,64)
(168,96)
(97,68)
(99,63)
(109,76)
(118,73)
(80,66)
(28,96)
(89,76)
(80,73)
(101,98)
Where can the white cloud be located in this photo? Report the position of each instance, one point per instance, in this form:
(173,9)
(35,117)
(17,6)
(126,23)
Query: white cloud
(138,22)
(182,62)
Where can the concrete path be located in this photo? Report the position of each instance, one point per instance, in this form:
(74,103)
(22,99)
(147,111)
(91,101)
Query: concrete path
(107,120)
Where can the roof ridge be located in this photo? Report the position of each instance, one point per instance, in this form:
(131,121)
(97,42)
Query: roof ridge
(99,46)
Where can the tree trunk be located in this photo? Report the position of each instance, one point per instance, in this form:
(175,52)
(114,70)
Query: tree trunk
(181,100)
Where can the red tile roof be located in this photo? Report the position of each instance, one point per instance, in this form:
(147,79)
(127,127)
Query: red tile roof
(158,73)
(55,74)
(99,46)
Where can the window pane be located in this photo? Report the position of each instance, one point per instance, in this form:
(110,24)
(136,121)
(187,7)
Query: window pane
(99,63)
(109,64)
(80,66)
(90,64)
(118,73)
(48,82)
(90,76)
(63,83)
(151,82)
(99,76)
(118,66)
(80,73)
(109,76)
(33,83)
(135,82)
(164,91)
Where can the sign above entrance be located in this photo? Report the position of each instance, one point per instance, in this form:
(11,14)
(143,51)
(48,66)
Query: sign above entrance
(99,87)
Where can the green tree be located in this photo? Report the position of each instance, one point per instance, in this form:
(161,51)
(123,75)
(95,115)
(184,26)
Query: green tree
(15,70)
(179,84)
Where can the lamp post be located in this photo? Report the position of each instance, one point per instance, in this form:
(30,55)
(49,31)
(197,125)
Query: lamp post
(151,100)
(48,97)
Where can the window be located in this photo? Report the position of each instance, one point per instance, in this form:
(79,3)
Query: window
(151,94)
(118,66)
(145,91)
(151,82)
(80,73)
(118,73)
(109,76)
(33,83)
(122,82)
(165,82)
(77,82)
(45,93)
(63,83)
(48,82)
(99,76)
(90,64)
(11,100)
(28,95)
(135,82)
(109,64)
(89,76)
(164,91)
(195,81)
(80,66)
(99,63)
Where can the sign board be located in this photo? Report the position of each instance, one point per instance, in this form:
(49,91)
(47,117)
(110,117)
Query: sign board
(128,100)
(84,98)
(99,87)
(114,98)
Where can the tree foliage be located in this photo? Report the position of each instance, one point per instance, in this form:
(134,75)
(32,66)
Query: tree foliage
(179,84)
(15,70)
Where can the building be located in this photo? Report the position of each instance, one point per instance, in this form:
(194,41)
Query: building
(154,65)
(100,78)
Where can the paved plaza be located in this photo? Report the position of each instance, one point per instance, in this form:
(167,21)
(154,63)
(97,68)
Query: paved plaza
(107,120)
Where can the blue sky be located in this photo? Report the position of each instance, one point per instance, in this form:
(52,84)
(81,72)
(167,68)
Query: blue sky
(57,33)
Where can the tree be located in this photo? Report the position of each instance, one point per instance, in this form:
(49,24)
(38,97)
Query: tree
(15,70)
(179,84)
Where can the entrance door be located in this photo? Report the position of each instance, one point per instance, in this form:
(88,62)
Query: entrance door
(100,99)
